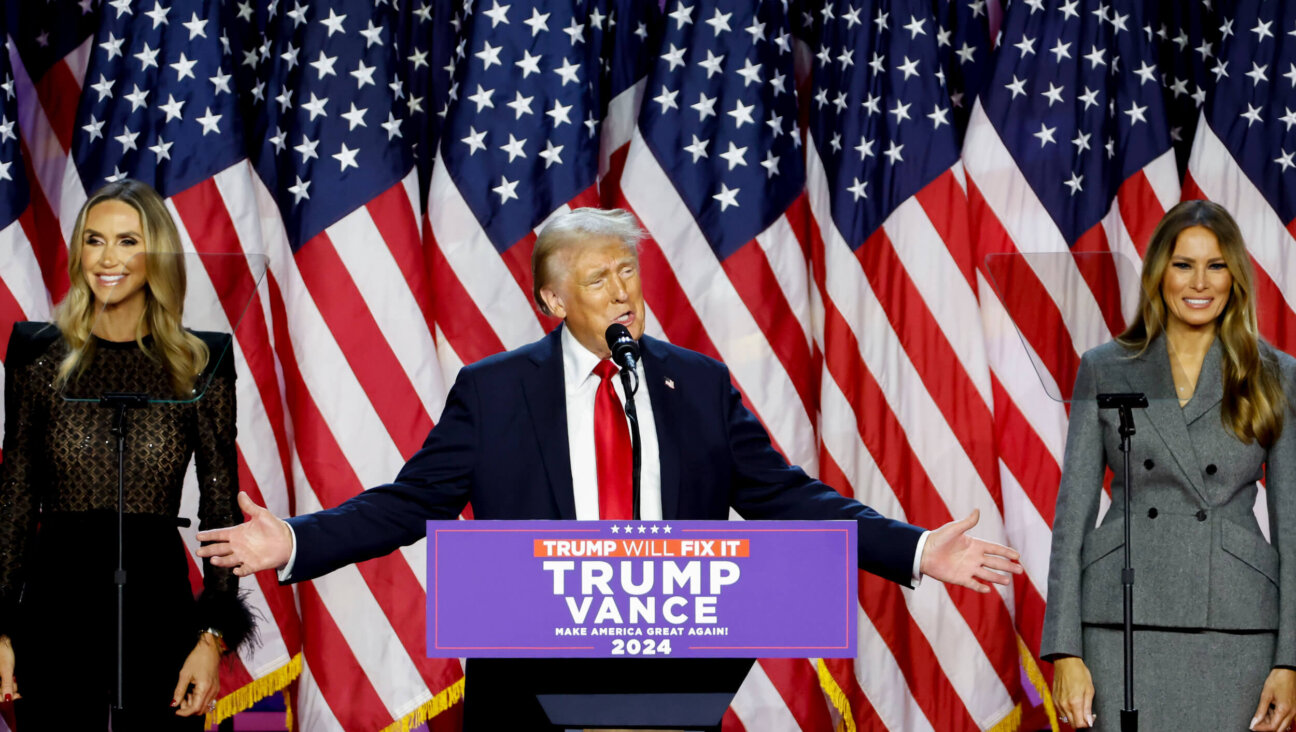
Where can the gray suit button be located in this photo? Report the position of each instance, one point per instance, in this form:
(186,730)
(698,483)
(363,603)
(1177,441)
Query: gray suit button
(1149,464)
(1211,469)
(1152,512)
(1201,515)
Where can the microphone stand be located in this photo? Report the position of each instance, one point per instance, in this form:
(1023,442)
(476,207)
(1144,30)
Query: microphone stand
(630,384)
(119,402)
(1124,403)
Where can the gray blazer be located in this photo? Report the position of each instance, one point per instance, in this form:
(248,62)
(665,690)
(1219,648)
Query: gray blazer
(1200,560)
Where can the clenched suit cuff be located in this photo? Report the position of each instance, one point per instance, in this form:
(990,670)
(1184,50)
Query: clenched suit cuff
(285,572)
(917,562)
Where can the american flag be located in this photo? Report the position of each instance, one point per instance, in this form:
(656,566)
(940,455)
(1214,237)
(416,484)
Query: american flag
(821,187)
(1068,153)
(1244,155)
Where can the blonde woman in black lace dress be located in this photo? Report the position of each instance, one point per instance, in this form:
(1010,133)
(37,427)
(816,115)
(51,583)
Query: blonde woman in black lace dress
(119,329)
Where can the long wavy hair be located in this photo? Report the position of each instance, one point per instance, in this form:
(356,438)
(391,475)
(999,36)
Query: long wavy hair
(1254,403)
(183,354)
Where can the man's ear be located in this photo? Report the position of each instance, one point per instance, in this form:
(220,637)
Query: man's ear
(554,302)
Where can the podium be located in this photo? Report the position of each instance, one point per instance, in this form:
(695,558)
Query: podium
(637,624)
(646,693)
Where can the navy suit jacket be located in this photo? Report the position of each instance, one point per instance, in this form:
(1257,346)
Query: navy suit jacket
(502,444)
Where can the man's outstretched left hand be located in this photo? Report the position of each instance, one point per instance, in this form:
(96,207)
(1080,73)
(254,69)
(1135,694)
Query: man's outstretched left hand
(953,557)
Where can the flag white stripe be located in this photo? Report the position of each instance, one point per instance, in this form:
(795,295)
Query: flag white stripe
(940,281)
(477,265)
(381,284)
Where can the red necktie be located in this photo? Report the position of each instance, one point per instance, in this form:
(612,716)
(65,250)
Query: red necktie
(612,448)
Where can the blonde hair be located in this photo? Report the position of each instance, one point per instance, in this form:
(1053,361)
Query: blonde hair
(570,228)
(182,353)
(1254,403)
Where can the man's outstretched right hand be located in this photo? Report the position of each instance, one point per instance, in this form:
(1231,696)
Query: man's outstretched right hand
(262,542)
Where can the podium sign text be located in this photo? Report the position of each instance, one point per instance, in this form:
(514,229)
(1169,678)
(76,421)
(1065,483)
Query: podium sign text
(598,589)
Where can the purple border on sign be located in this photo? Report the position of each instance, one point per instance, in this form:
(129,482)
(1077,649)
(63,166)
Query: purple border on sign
(642,588)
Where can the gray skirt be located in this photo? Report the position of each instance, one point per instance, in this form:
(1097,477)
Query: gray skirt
(1183,679)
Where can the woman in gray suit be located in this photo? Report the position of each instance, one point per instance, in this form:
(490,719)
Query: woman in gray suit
(1214,603)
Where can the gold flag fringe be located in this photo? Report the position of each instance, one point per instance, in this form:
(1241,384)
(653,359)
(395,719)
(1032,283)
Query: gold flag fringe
(244,697)
(1010,723)
(429,709)
(288,718)
(1037,680)
(837,697)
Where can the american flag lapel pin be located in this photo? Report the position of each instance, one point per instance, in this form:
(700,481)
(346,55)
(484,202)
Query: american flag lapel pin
(670,383)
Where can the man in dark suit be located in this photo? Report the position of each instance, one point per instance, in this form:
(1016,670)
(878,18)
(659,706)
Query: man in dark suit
(526,435)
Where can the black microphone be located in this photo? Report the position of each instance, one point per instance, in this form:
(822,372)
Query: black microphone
(625,350)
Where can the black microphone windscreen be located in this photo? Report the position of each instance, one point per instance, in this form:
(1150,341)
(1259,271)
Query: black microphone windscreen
(622,344)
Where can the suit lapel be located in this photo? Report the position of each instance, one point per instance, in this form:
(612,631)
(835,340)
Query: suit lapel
(1150,374)
(545,400)
(1210,385)
(657,372)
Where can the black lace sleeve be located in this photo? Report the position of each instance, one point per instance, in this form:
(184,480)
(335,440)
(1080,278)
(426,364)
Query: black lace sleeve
(19,475)
(220,605)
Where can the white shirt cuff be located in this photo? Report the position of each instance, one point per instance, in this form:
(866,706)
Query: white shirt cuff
(285,572)
(917,563)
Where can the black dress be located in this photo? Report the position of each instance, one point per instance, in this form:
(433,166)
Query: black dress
(58,535)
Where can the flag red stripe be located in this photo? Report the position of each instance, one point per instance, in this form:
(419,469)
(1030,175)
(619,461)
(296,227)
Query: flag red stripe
(881,599)
(675,313)
(1097,265)
(59,94)
(362,343)
(10,311)
(731,723)
(931,688)
(389,578)
(1024,454)
(610,184)
(467,330)
(752,277)
(862,711)
(933,357)
(397,224)
(201,211)
(278,597)
(517,259)
(1022,294)
(1140,209)
(798,685)
(45,235)
(334,668)
(885,439)
(1030,614)
(945,204)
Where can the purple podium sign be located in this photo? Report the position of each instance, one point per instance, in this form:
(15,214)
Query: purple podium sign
(596,589)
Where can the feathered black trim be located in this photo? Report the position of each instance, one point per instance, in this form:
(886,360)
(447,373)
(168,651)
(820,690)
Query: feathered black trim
(231,615)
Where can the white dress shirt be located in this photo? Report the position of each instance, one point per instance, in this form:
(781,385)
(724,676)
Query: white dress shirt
(580,385)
